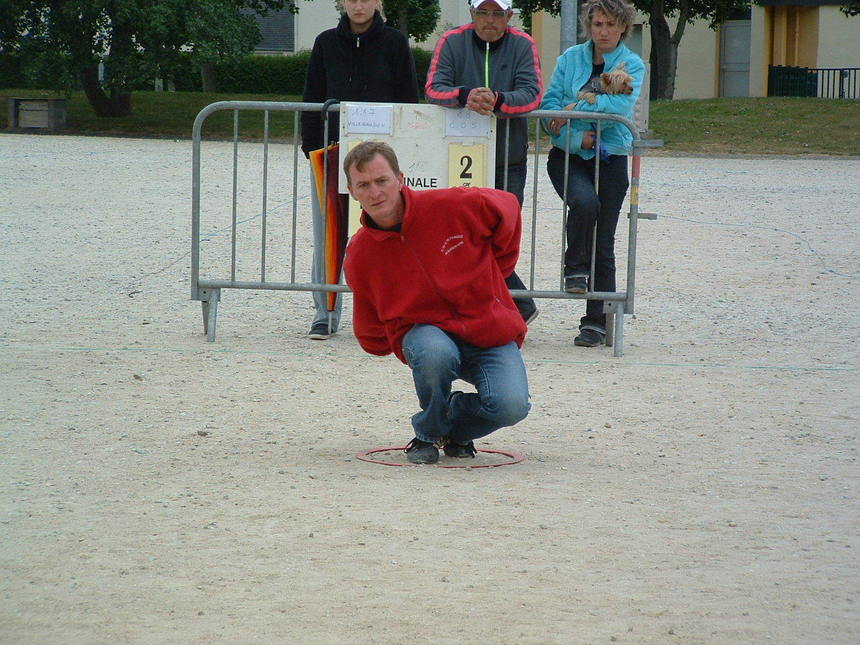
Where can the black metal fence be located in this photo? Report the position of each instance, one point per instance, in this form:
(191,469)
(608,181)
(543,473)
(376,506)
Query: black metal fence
(821,82)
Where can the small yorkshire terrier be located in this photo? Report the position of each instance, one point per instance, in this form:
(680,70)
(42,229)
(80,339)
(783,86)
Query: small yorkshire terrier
(616,81)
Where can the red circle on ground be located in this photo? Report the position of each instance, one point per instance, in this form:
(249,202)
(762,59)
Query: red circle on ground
(513,458)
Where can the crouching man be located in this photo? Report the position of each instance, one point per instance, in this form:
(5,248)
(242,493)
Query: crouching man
(427,270)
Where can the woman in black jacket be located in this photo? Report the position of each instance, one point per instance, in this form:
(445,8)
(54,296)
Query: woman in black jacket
(359,60)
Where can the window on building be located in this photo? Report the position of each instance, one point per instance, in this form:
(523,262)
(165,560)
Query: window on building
(278,31)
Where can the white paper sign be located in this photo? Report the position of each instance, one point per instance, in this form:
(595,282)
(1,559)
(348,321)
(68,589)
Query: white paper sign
(465,123)
(369,119)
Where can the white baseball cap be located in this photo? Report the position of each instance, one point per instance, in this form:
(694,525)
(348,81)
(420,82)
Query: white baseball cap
(503,4)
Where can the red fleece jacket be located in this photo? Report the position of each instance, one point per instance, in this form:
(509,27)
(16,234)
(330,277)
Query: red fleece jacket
(445,267)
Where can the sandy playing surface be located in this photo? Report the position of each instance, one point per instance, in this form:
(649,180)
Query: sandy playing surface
(156,488)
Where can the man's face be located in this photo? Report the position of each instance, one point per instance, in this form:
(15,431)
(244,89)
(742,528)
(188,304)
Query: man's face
(490,21)
(377,188)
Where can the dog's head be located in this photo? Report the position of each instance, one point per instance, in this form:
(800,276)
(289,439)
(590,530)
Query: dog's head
(617,81)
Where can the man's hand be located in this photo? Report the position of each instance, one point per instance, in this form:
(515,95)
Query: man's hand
(481,100)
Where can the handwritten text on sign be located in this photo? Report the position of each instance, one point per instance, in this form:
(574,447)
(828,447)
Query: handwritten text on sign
(369,119)
(465,123)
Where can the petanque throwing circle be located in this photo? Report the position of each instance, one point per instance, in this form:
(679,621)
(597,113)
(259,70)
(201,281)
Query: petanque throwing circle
(496,458)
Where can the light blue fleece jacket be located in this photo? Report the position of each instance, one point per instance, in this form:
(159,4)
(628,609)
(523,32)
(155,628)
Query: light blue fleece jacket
(572,71)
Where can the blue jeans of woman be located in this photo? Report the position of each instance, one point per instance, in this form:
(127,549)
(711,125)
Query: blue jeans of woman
(437,358)
(588,208)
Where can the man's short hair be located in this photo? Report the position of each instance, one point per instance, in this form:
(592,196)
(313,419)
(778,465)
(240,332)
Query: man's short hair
(618,10)
(364,152)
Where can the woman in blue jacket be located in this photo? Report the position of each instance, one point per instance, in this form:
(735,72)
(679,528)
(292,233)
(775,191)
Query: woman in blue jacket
(607,22)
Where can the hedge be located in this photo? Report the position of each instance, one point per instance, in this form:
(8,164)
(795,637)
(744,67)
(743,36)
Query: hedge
(249,75)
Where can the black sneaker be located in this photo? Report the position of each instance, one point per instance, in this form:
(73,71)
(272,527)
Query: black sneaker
(421,452)
(320,331)
(576,283)
(459,451)
(590,337)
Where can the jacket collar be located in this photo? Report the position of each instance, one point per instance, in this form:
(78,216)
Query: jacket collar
(493,45)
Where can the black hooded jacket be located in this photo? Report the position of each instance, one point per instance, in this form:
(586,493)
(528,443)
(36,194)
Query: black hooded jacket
(376,66)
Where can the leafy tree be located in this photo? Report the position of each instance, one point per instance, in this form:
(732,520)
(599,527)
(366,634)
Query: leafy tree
(664,42)
(416,18)
(851,8)
(134,39)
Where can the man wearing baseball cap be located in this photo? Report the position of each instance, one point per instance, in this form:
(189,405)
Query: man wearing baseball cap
(491,68)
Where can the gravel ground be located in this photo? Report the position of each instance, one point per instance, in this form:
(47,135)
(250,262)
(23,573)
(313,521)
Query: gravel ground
(156,488)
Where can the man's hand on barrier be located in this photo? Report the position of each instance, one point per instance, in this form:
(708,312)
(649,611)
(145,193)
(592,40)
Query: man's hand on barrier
(481,100)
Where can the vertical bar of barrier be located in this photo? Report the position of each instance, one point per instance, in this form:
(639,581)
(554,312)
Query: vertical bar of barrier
(565,209)
(534,205)
(632,229)
(235,185)
(265,194)
(507,156)
(591,268)
(296,118)
(195,206)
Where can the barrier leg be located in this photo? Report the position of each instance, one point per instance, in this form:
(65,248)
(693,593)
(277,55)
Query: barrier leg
(209,300)
(610,328)
(615,327)
(618,348)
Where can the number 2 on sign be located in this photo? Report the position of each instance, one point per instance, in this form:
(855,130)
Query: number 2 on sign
(466,164)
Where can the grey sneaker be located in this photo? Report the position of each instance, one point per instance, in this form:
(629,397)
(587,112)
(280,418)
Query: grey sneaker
(590,337)
(321,331)
(576,283)
(421,452)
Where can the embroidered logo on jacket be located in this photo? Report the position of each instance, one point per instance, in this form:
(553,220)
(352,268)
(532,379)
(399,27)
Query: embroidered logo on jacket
(452,242)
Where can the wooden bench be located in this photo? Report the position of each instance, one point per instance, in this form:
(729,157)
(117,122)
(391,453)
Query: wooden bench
(37,112)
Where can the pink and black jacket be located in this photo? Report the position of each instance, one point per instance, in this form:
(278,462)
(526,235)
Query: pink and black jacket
(462,61)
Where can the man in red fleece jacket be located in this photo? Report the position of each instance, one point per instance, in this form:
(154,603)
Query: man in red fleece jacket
(427,270)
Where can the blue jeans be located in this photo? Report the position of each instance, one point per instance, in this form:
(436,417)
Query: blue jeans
(588,208)
(437,358)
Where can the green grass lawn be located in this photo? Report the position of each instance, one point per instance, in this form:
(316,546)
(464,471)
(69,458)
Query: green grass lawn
(758,125)
(167,114)
(705,126)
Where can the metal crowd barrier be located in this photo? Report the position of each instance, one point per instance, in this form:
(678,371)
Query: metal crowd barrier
(208,289)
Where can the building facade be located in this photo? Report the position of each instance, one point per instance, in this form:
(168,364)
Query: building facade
(734,60)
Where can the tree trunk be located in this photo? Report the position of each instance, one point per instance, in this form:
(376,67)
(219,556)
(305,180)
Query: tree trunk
(208,77)
(114,105)
(684,12)
(403,18)
(661,58)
